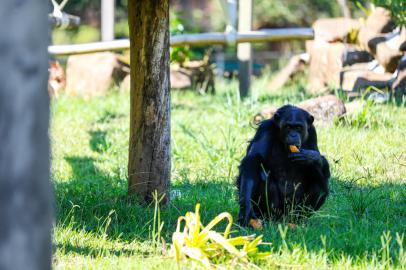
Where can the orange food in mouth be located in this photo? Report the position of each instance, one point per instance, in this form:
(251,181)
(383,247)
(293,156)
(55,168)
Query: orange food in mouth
(293,148)
(256,224)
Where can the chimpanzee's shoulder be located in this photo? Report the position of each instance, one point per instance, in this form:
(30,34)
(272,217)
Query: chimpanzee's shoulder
(266,126)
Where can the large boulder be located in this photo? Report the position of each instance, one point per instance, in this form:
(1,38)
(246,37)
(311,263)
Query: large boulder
(378,22)
(56,78)
(296,65)
(180,79)
(388,53)
(125,85)
(325,65)
(335,29)
(399,85)
(360,76)
(354,56)
(324,109)
(92,74)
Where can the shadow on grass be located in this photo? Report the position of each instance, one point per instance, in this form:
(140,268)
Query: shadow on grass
(351,222)
(109,116)
(94,251)
(90,197)
(98,141)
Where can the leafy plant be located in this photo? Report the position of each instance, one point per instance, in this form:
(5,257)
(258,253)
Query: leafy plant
(157,225)
(206,247)
(178,54)
(364,117)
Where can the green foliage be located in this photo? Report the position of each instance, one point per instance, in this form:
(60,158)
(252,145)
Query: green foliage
(292,12)
(365,117)
(397,9)
(121,29)
(83,34)
(98,226)
(178,54)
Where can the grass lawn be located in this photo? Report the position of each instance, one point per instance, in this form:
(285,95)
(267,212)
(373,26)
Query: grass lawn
(361,226)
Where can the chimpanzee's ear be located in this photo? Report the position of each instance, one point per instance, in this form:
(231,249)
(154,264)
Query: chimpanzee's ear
(276,117)
(310,119)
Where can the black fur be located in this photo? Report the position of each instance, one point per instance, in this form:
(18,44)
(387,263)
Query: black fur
(273,182)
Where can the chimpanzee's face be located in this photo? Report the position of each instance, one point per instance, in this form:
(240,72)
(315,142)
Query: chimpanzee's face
(293,126)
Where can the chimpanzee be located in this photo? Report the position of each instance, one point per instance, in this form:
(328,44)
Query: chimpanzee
(283,171)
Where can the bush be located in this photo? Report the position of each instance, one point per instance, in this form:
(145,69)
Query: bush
(397,9)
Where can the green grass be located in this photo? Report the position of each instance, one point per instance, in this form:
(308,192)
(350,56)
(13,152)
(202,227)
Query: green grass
(98,227)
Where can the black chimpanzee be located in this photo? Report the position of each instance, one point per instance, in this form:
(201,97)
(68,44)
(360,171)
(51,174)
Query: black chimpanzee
(273,181)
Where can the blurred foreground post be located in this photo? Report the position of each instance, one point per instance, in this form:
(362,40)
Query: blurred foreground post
(244,51)
(25,190)
(149,162)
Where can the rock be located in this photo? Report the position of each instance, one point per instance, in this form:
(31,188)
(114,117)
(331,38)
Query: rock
(353,56)
(378,22)
(399,85)
(402,47)
(359,77)
(92,74)
(354,106)
(295,65)
(324,109)
(180,80)
(388,52)
(56,78)
(388,57)
(266,113)
(335,29)
(125,85)
(325,65)
(374,80)
(202,75)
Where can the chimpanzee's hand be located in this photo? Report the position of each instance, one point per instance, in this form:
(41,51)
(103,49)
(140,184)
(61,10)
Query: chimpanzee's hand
(306,157)
(245,215)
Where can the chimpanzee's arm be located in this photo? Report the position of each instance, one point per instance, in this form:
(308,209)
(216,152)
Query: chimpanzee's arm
(319,184)
(250,170)
(309,152)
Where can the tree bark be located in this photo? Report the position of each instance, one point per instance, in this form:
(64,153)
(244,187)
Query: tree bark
(25,190)
(149,150)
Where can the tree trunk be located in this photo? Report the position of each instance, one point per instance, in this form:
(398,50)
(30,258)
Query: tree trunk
(149,151)
(25,190)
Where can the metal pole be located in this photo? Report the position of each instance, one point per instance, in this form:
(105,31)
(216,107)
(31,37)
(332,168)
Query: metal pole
(64,21)
(244,50)
(107,20)
(265,35)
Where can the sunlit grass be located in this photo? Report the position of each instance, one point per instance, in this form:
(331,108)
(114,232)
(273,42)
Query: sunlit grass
(99,227)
